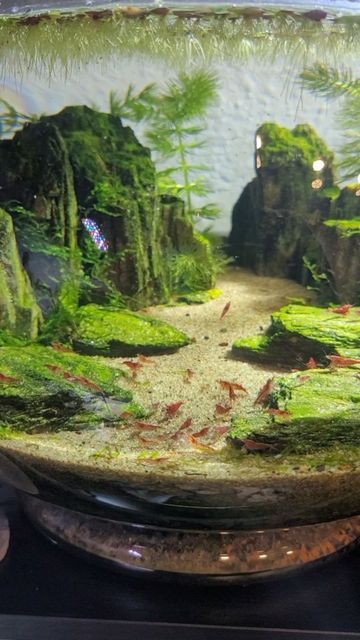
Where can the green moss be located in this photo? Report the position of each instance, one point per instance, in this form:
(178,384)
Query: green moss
(200,297)
(323,407)
(282,146)
(345,228)
(8,339)
(195,267)
(252,347)
(48,390)
(298,332)
(20,313)
(118,332)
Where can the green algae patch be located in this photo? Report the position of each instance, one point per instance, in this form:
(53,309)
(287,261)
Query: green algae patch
(43,390)
(345,228)
(320,410)
(119,332)
(300,332)
(200,297)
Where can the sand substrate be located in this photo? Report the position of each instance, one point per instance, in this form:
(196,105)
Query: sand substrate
(175,471)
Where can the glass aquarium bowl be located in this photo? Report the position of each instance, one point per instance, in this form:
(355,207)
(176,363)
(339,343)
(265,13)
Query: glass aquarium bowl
(180,281)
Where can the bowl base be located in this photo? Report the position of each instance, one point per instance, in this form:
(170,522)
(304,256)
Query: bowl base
(204,556)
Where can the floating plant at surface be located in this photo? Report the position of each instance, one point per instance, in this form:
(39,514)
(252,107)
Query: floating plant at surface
(68,40)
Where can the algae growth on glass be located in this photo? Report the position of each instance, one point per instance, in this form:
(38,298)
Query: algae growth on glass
(179,256)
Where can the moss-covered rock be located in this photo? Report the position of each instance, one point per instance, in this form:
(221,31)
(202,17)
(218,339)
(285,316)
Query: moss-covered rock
(35,171)
(339,239)
(345,228)
(320,410)
(118,332)
(42,390)
(300,332)
(19,312)
(273,220)
(83,160)
(200,297)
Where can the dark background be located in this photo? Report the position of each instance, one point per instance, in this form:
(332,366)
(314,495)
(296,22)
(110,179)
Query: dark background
(46,593)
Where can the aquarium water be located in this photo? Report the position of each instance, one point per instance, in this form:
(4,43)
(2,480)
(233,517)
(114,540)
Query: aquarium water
(180,277)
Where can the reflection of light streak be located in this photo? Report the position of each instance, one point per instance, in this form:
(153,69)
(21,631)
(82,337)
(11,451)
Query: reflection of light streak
(224,557)
(96,234)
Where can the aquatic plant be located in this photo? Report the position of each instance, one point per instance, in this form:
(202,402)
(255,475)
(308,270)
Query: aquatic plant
(175,129)
(67,41)
(320,280)
(11,119)
(35,233)
(96,284)
(197,268)
(333,83)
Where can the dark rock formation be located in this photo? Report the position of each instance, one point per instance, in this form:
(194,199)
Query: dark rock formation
(19,312)
(35,171)
(273,221)
(343,256)
(81,163)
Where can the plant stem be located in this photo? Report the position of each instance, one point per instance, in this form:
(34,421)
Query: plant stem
(185,168)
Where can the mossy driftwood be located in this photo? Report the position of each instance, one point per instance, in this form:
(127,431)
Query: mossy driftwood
(300,332)
(317,411)
(115,332)
(45,390)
